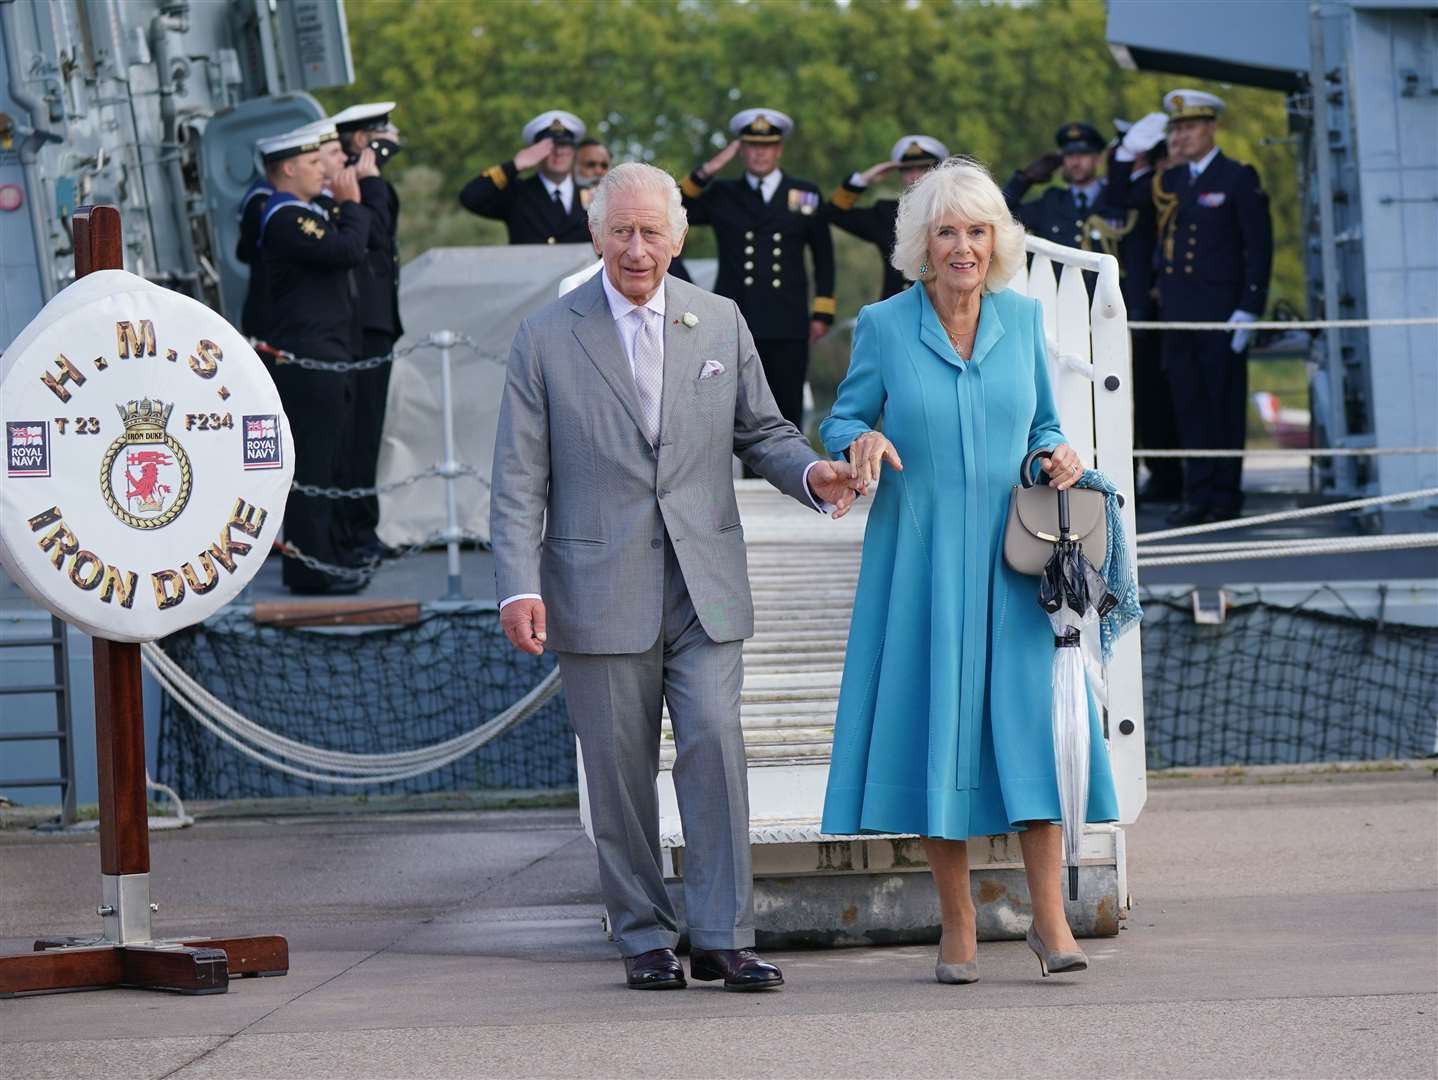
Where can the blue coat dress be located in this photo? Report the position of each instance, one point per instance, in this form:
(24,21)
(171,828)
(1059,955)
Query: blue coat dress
(944,718)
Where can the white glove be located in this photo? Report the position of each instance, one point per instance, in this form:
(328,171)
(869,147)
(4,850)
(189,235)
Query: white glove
(1240,337)
(1143,136)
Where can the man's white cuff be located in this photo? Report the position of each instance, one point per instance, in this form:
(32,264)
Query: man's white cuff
(822,507)
(518,596)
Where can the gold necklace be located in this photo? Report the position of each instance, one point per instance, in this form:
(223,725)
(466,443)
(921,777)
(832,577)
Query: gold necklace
(956,339)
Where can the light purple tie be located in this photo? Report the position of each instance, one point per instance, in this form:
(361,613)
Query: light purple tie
(648,371)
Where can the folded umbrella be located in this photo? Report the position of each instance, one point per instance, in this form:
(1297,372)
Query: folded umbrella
(1074,594)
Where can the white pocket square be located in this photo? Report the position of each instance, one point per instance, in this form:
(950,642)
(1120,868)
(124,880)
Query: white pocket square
(711,368)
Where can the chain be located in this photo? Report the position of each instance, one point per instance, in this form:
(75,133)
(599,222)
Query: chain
(318,492)
(365,571)
(338,367)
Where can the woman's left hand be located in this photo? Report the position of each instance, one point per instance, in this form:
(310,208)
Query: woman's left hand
(1063,467)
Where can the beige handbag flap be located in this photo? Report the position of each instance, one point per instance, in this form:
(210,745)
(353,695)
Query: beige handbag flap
(1038,510)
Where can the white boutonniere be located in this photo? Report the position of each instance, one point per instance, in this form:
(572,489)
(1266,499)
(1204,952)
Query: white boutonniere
(690,319)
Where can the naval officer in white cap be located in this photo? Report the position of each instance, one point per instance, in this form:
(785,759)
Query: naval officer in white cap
(1215,253)
(540,209)
(912,156)
(763,222)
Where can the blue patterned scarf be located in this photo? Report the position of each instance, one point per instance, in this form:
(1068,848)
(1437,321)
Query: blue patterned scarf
(1118,569)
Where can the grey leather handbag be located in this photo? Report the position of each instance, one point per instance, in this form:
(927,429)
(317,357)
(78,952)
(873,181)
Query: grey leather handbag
(1033,525)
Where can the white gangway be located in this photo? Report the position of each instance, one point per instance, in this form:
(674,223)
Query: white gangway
(812,889)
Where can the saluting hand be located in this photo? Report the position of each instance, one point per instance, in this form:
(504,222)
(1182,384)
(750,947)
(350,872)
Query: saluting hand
(533,154)
(873,172)
(719,160)
(1041,168)
(867,454)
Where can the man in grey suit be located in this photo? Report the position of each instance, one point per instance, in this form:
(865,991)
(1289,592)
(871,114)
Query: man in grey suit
(613,500)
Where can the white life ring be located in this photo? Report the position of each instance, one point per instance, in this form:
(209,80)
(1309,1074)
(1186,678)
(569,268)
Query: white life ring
(147,459)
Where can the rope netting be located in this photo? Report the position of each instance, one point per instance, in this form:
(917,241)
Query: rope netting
(363,690)
(1274,684)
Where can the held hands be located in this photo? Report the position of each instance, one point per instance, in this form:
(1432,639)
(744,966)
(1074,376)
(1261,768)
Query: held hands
(1063,467)
(817,329)
(533,154)
(867,454)
(834,482)
(345,187)
(523,623)
(719,160)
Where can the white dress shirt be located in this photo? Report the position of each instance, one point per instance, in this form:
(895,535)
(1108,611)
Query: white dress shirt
(767,185)
(564,187)
(1195,168)
(628,326)
(626,322)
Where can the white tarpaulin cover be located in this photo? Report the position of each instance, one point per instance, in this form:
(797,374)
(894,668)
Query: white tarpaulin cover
(483,293)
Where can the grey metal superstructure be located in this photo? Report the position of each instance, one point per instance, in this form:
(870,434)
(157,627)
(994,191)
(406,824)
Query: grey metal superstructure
(1361,78)
(151,105)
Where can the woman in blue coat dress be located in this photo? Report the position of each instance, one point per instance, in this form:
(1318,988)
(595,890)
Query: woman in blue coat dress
(944,717)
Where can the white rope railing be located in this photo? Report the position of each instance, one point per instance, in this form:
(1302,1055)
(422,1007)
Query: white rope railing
(1287,515)
(1268,452)
(1290,549)
(233,728)
(1271,324)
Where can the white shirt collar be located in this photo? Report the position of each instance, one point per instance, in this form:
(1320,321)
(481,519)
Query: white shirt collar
(565,188)
(1197,167)
(1089,190)
(619,304)
(767,185)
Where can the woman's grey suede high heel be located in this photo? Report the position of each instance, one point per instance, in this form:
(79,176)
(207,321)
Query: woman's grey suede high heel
(959,974)
(1055,963)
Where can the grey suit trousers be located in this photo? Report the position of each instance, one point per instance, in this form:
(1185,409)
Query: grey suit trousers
(615,702)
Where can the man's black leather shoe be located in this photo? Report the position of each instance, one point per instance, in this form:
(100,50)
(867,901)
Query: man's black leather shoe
(657,969)
(741,969)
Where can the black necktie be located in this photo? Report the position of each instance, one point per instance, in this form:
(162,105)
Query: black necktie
(1081,201)
(559,201)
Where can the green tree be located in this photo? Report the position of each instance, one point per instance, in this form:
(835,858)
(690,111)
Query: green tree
(658,80)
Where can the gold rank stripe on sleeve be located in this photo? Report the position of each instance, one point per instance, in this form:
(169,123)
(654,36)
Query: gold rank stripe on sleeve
(824,305)
(496,174)
(843,198)
(690,188)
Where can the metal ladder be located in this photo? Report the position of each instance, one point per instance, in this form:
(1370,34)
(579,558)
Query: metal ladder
(59,644)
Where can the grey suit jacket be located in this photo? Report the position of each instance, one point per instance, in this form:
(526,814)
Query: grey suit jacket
(581,503)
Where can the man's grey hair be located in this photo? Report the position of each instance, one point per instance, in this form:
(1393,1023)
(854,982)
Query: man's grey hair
(964,187)
(634,176)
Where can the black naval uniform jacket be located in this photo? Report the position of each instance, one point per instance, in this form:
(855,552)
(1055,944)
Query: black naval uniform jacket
(1054,215)
(761,251)
(1138,248)
(1216,251)
(247,250)
(377,280)
(526,208)
(875,224)
(307,257)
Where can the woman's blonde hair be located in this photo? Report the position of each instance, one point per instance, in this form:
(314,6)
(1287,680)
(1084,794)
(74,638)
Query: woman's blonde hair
(964,187)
